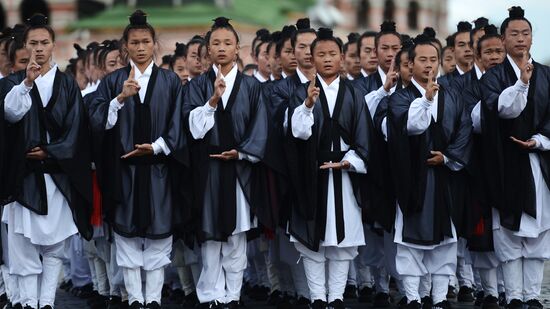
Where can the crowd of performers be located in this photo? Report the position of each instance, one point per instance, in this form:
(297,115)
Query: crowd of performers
(328,169)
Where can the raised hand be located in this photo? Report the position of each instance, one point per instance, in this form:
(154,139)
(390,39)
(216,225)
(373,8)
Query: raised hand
(344,165)
(312,94)
(526,68)
(391,77)
(226,155)
(33,70)
(219,88)
(529,144)
(140,150)
(130,88)
(432,88)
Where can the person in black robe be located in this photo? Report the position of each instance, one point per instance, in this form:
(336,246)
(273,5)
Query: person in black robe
(428,140)
(137,112)
(50,199)
(515,124)
(479,233)
(228,124)
(328,147)
(463,53)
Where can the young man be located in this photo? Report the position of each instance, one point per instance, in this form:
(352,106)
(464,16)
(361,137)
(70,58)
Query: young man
(49,165)
(367,53)
(328,141)
(352,64)
(192,57)
(515,94)
(464,55)
(428,139)
(139,154)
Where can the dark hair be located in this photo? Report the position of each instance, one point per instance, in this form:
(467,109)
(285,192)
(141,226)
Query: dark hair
(197,39)
(461,27)
(366,34)
(302,26)
(325,35)
(275,37)
(491,31)
(407,45)
(166,59)
(352,39)
(450,41)
(419,40)
(387,27)
(264,39)
(108,46)
(431,34)
(261,33)
(38,21)
(514,13)
(138,21)
(204,43)
(286,34)
(14,46)
(179,52)
(479,24)
(222,23)
(250,66)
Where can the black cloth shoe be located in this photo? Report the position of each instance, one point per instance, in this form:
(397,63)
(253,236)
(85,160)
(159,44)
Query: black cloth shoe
(451,292)
(100,302)
(190,301)
(502,299)
(403,302)
(412,305)
(381,300)
(490,302)
(480,297)
(274,298)
(427,302)
(17,306)
(302,302)
(442,305)
(47,307)
(533,304)
(285,303)
(465,294)
(365,295)
(235,305)
(114,303)
(124,305)
(319,304)
(176,297)
(350,292)
(214,305)
(515,304)
(153,305)
(337,304)
(136,305)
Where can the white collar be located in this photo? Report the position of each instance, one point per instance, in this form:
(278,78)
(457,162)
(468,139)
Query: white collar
(231,75)
(259,77)
(350,77)
(515,66)
(283,74)
(364,73)
(334,85)
(51,73)
(148,71)
(459,70)
(479,74)
(302,76)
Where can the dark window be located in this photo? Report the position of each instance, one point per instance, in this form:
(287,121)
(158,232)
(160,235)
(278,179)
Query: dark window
(363,14)
(389,10)
(412,15)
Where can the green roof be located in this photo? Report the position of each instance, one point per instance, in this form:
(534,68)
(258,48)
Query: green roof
(265,13)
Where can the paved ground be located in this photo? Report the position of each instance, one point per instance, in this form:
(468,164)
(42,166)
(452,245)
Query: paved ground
(67,301)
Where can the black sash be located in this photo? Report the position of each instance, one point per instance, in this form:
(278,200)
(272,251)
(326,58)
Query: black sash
(330,150)
(142,135)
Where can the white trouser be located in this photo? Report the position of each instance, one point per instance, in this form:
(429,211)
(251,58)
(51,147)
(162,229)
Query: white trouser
(413,263)
(464,272)
(339,260)
(523,278)
(223,265)
(425,285)
(133,254)
(486,264)
(26,266)
(80,269)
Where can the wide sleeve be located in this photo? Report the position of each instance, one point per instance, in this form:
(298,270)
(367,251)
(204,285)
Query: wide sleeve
(102,112)
(458,151)
(198,114)
(252,147)
(373,99)
(420,116)
(173,140)
(302,121)
(513,100)
(17,102)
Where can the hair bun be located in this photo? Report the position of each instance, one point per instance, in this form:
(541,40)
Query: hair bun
(480,23)
(407,44)
(138,18)
(516,12)
(388,26)
(463,26)
(37,20)
(181,49)
(303,23)
(450,40)
(429,32)
(491,30)
(287,32)
(422,38)
(276,36)
(262,32)
(325,34)
(221,22)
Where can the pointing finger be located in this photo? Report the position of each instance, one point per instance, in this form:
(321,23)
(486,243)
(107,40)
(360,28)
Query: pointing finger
(132,72)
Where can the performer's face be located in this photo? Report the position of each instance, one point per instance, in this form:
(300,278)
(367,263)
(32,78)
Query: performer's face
(180,68)
(367,55)
(112,61)
(263,60)
(193,60)
(475,37)
(404,68)
(463,50)
(327,58)
(448,63)
(223,46)
(274,62)
(518,38)
(21,60)
(351,60)
(492,52)
(42,43)
(426,60)
(80,77)
(388,46)
(140,46)
(288,60)
(302,49)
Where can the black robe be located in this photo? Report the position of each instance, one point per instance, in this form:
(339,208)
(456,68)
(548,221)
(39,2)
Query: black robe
(139,194)
(447,80)
(241,125)
(424,193)
(68,162)
(512,189)
(309,185)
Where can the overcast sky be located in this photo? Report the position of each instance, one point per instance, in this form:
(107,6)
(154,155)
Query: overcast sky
(537,11)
